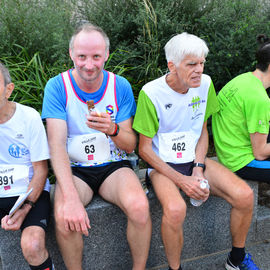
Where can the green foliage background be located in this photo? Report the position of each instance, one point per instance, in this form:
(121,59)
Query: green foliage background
(34,36)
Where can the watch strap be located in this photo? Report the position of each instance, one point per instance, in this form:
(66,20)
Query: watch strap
(116,131)
(197,164)
(29,202)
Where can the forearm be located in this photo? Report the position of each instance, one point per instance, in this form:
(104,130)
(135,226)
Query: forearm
(38,180)
(202,146)
(125,140)
(61,167)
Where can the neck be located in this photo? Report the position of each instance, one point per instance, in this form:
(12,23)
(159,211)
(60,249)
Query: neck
(175,84)
(264,77)
(89,86)
(7,111)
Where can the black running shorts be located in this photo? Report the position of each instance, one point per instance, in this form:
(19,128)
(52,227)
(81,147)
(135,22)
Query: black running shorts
(39,215)
(95,176)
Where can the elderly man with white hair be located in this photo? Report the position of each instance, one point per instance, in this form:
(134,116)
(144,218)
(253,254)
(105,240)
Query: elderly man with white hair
(171,118)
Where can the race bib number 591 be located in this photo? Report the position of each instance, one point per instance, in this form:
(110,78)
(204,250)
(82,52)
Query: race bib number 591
(14,179)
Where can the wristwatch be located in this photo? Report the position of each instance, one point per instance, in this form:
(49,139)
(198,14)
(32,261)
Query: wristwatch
(30,203)
(197,164)
(116,131)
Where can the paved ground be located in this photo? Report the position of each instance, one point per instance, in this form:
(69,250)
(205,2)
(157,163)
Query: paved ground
(260,252)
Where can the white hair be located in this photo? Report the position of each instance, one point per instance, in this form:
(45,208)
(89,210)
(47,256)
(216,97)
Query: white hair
(5,73)
(184,44)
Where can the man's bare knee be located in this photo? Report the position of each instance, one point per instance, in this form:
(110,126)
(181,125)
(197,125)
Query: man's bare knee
(137,210)
(33,245)
(244,199)
(175,213)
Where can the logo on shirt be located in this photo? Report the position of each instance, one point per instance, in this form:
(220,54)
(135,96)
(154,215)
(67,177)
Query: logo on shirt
(17,150)
(168,106)
(109,109)
(196,102)
(261,122)
(19,136)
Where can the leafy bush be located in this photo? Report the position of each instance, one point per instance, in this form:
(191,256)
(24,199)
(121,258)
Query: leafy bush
(143,27)
(230,31)
(138,30)
(41,26)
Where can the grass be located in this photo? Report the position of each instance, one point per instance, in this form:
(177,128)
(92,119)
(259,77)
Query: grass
(30,75)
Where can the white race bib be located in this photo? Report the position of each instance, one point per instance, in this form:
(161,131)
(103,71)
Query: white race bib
(89,148)
(14,180)
(177,147)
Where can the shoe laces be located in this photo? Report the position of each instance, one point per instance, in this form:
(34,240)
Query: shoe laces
(248,263)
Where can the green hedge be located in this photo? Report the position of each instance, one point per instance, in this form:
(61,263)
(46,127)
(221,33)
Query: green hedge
(138,30)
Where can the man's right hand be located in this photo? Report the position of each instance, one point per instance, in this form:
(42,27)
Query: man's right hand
(75,217)
(14,223)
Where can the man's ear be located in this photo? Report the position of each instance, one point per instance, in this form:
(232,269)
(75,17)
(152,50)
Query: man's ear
(171,67)
(9,89)
(70,54)
(107,55)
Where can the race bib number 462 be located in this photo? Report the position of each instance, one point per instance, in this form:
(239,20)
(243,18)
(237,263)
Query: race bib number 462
(177,147)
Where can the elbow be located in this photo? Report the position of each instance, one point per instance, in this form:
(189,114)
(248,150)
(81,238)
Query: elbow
(131,145)
(259,156)
(130,148)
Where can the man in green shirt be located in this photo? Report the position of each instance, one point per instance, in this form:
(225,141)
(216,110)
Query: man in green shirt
(172,118)
(241,126)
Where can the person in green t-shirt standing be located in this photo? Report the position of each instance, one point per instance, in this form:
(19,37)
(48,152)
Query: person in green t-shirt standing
(241,127)
(171,118)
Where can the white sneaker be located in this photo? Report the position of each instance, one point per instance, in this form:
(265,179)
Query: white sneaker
(230,266)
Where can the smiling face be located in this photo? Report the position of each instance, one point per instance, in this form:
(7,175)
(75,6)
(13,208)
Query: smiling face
(89,56)
(188,73)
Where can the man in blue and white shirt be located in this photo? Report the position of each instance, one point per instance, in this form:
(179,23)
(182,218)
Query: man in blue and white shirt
(88,149)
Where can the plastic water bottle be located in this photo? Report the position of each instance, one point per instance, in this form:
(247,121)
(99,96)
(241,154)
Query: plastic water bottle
(134,160)
(203,184)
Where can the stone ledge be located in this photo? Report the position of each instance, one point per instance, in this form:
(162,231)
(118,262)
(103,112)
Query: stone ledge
(206,231)
(202,225)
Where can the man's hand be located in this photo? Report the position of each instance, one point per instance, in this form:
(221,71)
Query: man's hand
(191,186)
(14,223)
(100,121)
(75,217)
